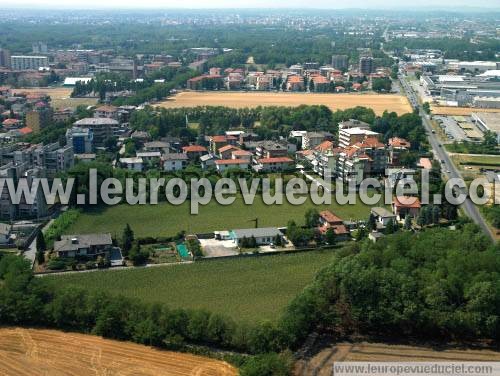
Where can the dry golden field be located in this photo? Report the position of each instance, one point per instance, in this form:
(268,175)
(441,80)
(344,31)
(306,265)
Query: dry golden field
(34,352)
(459,111)
(321,363)
(378,102)
(60,96)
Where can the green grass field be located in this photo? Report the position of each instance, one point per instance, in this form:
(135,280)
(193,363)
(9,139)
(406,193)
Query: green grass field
(478,160)
(166,220)
(246,289)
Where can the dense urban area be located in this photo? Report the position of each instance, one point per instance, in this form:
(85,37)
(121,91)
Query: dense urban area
(332,97)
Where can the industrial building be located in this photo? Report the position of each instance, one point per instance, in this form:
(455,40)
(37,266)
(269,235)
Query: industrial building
(487,121)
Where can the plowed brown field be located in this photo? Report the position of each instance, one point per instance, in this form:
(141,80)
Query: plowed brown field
(378,102)
(34,352)
(321,364)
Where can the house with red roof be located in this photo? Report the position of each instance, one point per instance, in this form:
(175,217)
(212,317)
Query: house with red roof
(273,164)
(295,83)
(11,123)
(194,151)
(403,206)
(220,140)
(224,164)
(225,152)
(328,220)
(241,154)
(320,83)
(397,146)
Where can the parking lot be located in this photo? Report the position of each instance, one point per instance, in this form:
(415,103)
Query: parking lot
(459,128)
(451,128)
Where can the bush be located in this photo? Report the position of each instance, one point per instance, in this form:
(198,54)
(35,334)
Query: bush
(56,264)
(59,226)
(271,364)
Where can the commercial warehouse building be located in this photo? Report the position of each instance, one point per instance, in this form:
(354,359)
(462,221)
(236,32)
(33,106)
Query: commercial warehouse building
(487,121)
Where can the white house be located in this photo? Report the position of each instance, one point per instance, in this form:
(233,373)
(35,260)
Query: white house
(133,163)
(224,164)
(382,215)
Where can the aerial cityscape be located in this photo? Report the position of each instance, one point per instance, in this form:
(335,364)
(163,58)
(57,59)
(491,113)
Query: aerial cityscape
(259,191)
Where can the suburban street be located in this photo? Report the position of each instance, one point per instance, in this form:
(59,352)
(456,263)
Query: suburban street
(448,167)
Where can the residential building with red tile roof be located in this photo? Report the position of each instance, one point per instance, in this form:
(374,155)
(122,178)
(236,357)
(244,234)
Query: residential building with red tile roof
(273,164)
(223,164)
(397,146)
(194,151)
(403,206)
(328,220)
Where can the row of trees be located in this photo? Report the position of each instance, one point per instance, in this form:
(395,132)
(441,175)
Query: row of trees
(34,301)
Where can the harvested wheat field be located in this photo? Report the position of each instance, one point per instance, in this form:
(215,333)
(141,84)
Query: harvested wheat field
(378,102)
(459,111)
(34,352)
(321,363)
(60,96)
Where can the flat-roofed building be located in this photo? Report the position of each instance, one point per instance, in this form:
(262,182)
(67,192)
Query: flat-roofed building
(19,62)
(487,121)
(101,127)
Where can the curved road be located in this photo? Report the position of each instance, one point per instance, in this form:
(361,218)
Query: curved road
(448,166)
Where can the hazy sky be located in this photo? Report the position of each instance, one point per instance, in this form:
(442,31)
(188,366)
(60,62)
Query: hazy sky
(382,4)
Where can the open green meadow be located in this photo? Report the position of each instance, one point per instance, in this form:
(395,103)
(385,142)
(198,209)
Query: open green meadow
(247,289)
(165,219)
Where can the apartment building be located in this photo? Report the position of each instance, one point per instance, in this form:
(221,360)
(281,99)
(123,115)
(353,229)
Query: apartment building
(18,62)
(102,128)
(271,149)
(312,139)
(81,139)
(295,83)
(351,136)
(51,158)
(366,65)
(340,62)
(40,117)
(110,112)
(26,207)
(397,146)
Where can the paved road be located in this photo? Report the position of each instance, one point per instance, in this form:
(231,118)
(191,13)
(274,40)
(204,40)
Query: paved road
(448,166)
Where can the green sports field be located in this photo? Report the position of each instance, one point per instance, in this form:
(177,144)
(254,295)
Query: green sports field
(247,289)
(165,219)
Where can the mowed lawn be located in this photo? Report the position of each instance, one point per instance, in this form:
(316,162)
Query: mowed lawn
(247,289)
(165,219)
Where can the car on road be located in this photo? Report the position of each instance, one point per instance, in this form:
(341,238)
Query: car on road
(433,131)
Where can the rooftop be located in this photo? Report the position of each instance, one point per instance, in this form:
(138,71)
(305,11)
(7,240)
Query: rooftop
(260,232)
(96,121)
(230,161)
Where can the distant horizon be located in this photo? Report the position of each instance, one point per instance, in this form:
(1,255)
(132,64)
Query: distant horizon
(369,5)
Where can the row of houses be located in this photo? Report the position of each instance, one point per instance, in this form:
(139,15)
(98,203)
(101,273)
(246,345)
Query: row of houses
(297,77)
